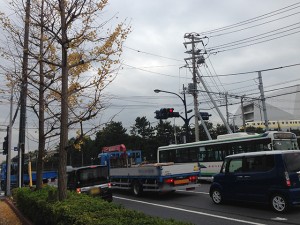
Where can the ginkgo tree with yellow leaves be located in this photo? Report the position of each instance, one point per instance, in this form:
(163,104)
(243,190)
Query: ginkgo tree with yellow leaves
(87,56)
(82,55)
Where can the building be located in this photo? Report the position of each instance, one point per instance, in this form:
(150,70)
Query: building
(283,110)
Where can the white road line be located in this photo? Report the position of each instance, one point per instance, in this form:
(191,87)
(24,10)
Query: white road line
(190,211)
(197,192)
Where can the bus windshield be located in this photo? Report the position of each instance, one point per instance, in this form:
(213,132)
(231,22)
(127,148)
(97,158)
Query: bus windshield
(285,145)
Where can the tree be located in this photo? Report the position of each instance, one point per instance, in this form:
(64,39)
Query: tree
(142,128)
(112,134)
(82,56)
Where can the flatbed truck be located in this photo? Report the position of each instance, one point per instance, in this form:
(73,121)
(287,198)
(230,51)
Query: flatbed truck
(48,177)
(143,177)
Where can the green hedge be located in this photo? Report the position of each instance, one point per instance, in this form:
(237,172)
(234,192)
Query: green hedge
(42,207)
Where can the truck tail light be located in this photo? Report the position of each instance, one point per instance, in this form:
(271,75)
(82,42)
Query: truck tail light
(169,181)
(109,185)
(193,178)
(78,190)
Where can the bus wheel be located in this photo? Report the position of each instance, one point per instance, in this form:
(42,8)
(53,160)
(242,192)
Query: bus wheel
(137,188)
(279,203)
(216,196)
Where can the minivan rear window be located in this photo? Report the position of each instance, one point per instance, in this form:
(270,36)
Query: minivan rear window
(292,162)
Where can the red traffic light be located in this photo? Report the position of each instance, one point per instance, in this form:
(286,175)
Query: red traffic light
(171,110)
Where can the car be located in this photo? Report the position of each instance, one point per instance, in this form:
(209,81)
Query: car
(93,180)
(266,177)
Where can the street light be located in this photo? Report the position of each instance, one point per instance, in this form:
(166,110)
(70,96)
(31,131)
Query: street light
(185,119)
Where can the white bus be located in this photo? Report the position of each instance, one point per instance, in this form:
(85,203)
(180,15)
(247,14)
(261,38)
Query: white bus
(210,154)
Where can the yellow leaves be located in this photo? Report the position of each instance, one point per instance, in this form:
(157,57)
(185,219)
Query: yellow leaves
(102,4)
(77,58)
(77,145)
(80,140)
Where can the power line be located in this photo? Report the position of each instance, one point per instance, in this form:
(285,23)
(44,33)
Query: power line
(254,38)
(256,71)
(246,28)
(267,15)
(147,53)
(259,42)
(149,71)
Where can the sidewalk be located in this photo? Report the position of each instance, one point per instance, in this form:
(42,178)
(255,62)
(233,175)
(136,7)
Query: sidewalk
(9,214)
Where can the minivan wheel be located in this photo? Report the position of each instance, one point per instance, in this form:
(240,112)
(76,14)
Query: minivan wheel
(279,203)
(216,196)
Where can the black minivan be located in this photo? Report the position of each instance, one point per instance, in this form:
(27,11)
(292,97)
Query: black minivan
(270,177)
(92,180)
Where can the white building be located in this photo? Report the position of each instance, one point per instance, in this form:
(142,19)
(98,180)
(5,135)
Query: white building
(283,110)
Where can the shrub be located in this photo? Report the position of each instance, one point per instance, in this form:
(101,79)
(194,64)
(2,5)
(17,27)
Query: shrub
(42,207)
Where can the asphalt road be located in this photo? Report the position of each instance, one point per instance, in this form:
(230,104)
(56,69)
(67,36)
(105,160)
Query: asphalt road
(196,207)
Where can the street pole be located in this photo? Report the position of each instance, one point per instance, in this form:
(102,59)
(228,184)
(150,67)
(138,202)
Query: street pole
(185,119)
(243,113)
(195,92)
(263,100)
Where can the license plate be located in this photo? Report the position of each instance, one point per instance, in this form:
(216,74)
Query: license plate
(95,191)
(183,181)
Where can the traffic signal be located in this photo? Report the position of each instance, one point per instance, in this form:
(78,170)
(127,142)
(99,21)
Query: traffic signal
(205,115)
(166,113)
(5,146)
(158,114)
(171,113)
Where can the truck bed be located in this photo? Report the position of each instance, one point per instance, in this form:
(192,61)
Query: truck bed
(155,170)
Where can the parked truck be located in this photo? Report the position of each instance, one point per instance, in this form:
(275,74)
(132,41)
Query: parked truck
(48,176)
(126,174)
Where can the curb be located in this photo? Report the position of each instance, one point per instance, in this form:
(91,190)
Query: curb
(23,219)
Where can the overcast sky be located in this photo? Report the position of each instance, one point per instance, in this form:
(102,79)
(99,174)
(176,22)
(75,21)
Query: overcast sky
(154,53)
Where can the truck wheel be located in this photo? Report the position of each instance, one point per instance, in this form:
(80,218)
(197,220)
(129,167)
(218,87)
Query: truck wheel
(137,188)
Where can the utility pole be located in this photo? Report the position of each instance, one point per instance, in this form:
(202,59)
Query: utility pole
(263,100)
(194,54)
(243,113)
(23,96)
(226,104)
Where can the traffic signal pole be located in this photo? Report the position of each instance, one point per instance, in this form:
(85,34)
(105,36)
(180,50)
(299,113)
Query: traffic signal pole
(185,119)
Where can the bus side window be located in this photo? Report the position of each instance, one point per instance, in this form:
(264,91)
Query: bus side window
(202,154)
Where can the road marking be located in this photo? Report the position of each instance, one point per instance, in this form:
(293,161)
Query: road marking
(190,211)
(197,192)
(278,219)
